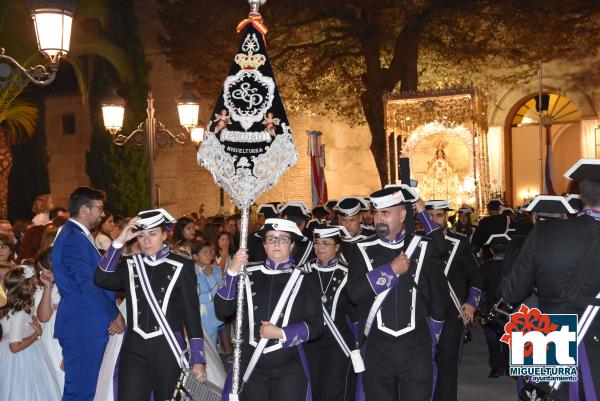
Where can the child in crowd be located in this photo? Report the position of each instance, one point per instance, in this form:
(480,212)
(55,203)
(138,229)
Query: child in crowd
(24,363)
(209,278)
(46,303)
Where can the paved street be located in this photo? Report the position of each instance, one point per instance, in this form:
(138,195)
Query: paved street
(473,381)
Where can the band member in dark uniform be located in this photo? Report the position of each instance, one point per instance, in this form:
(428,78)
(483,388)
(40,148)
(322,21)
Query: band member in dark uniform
(329,205)
(401,301)
(349,215)
(348,212)
(331,369)
(542,207)
(319,216)
(491,271)
(160,289)
(297,212)
(367,214)
(463,224)
(283,311)
(465,283)
(559,261)
(495,223)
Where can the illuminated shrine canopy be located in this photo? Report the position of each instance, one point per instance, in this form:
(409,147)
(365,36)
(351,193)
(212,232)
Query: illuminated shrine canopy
(444,134)
(556,109)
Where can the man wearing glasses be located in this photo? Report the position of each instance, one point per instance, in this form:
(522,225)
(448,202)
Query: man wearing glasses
(87,314)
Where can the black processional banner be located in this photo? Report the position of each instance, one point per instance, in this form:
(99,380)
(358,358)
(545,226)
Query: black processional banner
(248,144)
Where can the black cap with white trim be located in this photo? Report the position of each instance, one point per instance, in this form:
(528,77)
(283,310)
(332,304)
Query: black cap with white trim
(154,218)
(294,208)
(281,225)
(349,206)
(465,209)
(330,204)
(495,203)
(584,169)
(268,210)
(366,204)
(550,204)
(497,239)
(325,231)
(319,211)
(393,195)
(438,205)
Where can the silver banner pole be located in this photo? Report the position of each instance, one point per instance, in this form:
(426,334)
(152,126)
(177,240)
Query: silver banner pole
(237,339)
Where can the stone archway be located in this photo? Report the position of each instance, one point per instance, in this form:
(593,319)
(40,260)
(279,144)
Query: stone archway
(526,146)
(507,103)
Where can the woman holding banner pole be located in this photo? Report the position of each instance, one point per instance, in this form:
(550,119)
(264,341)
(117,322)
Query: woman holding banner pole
(282,312)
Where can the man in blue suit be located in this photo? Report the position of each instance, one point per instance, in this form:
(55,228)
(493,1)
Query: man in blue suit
(87,314)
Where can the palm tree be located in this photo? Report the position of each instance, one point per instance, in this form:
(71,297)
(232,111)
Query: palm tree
(18,119)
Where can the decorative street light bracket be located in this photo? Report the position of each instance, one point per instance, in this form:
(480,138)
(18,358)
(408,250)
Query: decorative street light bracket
(151,131)
(53,20)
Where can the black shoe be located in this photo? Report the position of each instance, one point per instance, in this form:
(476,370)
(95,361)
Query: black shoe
(494,373)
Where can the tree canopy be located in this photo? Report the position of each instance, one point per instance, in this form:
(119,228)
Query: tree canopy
(342,55)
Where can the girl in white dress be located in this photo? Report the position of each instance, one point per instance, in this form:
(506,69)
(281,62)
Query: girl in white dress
(46,303)
(24,363)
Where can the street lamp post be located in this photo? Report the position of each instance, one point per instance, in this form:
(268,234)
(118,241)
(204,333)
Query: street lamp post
(113,110)
(52,20)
